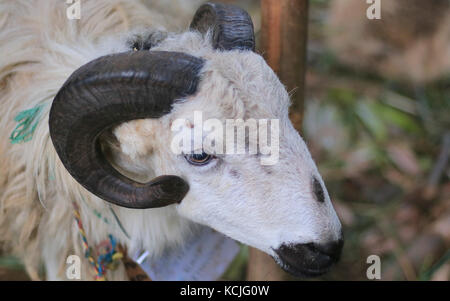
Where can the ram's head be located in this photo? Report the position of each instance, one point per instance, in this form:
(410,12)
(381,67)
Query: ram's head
(265,191)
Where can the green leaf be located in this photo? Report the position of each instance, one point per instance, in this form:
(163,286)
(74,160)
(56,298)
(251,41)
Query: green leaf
(368,116)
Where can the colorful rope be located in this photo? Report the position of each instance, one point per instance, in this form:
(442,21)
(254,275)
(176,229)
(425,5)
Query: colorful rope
(105,261)
(106,220)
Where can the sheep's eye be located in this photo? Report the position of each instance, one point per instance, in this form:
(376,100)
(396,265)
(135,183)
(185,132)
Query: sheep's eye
(199,159)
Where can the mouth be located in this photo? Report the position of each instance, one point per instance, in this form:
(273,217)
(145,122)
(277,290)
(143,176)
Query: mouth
(302,271)
(307,260)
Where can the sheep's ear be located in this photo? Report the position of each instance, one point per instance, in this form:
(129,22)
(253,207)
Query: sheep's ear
(232,27)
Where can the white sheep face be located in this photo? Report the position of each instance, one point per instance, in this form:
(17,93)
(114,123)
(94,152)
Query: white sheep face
(270,207)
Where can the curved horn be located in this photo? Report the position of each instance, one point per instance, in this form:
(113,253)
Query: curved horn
(106,92)
(232,26)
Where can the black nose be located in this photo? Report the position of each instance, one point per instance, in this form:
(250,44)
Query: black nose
(309,259)
(332,249)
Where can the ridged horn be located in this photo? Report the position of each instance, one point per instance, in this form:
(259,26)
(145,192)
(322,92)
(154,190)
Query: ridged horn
(106,92)
(232,27)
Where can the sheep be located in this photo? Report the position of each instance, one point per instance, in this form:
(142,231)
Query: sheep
(409,43)
(101,133)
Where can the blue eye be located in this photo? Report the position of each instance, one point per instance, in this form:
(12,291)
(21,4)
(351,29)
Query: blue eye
(199,159)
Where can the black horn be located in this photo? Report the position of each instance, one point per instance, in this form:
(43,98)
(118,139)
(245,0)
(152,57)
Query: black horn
(106,92)
(232,27)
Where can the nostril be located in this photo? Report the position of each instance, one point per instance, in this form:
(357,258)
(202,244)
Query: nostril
(318,190)
(332,249)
